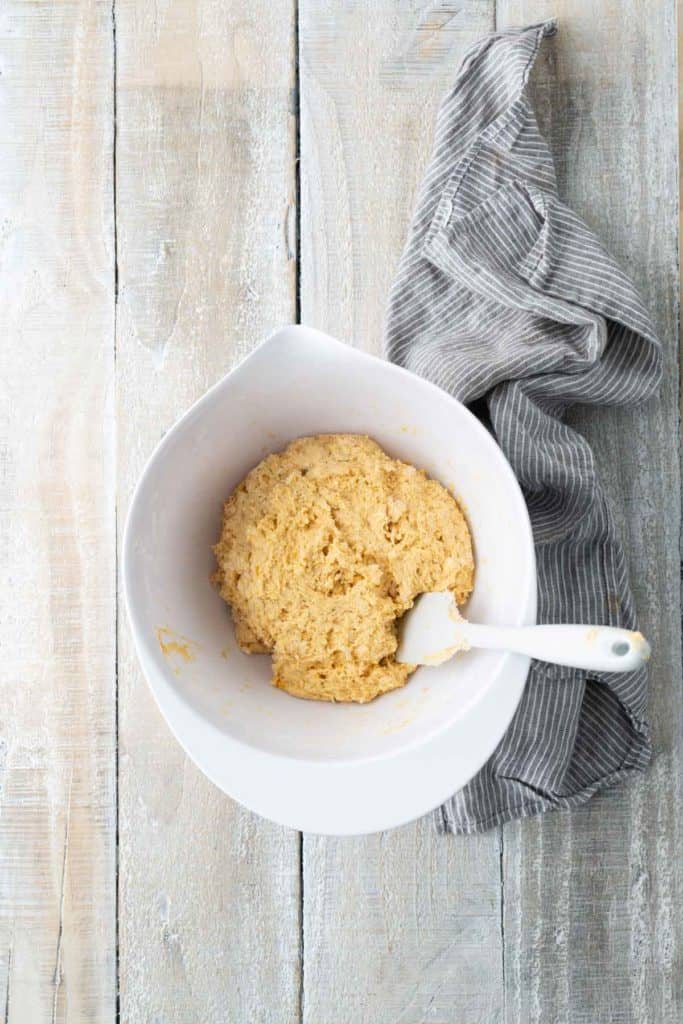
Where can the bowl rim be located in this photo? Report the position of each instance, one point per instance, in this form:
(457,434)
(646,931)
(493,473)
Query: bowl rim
(175,704)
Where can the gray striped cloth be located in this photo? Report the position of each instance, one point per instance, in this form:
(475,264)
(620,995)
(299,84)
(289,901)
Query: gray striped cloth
(504,295)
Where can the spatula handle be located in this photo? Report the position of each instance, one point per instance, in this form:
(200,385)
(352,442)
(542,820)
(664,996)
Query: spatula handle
(599,648)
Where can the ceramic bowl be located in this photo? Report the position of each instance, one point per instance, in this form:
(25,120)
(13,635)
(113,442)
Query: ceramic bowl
(327,768)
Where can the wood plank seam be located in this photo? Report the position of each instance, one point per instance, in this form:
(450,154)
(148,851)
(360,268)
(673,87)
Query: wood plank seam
(117,600)
(297,307)
(7,986)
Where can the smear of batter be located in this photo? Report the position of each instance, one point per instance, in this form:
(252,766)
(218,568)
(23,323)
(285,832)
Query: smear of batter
(172,643)
(323,547)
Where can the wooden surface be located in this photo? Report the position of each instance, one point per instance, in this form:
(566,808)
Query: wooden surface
(205,175)
(57,627)
(155,164)
(427,907)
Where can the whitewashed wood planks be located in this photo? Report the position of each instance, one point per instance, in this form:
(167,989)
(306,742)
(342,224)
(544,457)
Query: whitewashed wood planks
(566,918)
(57,532)
(405,926)
(209,894)
(372,74)
(593,901)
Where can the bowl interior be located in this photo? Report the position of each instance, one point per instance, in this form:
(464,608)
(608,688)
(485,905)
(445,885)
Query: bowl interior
(300,382)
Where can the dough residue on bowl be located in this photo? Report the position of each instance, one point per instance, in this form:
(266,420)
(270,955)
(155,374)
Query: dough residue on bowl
(323,547)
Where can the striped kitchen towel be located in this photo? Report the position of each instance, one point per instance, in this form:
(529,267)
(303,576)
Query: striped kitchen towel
(504,294)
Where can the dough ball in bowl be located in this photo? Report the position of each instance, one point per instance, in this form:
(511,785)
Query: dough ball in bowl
(323,547)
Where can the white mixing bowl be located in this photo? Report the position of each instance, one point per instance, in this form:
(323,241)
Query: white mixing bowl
(328,768)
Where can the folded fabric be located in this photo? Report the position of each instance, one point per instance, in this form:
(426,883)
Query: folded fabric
(504,295)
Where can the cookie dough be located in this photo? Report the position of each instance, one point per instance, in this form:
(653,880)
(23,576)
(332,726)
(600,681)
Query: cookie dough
(323,547)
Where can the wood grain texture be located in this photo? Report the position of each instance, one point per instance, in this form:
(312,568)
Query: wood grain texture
(405,926)
(402,927)
(372,75)
(57,532)
(566,918)
(209,895)
(594,899)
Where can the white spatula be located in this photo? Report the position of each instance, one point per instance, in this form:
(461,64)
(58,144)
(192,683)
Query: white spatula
(434,630)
